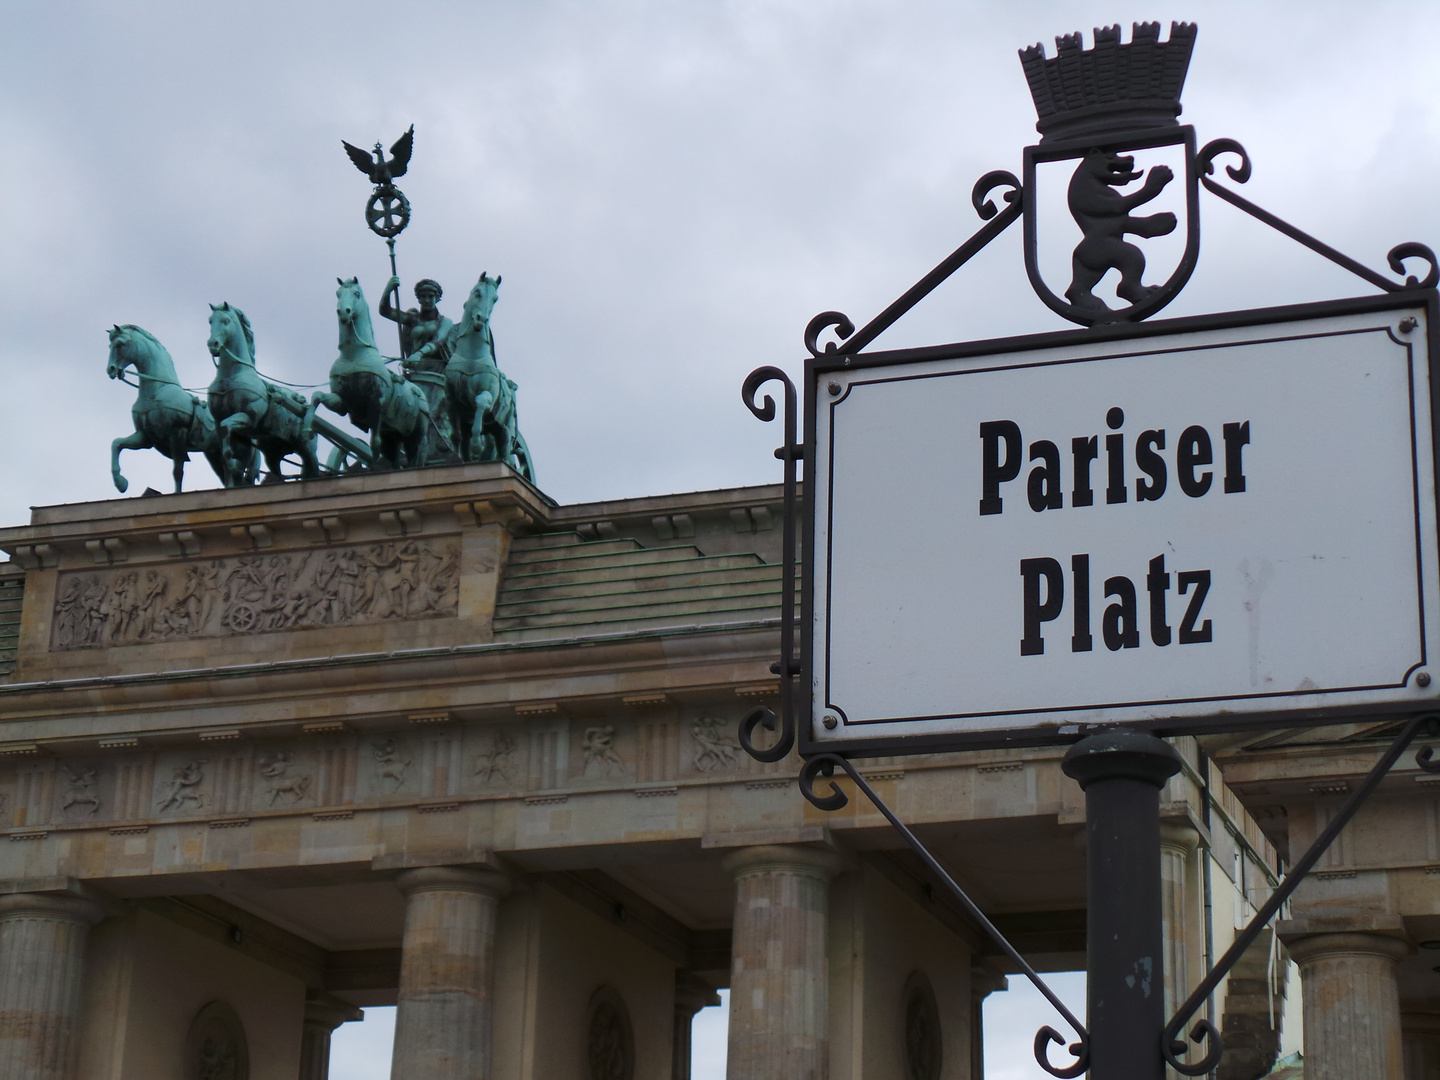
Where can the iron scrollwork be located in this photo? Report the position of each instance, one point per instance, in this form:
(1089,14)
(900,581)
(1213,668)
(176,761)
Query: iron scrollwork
(823,766)
(1205,167)
(787,667)
(1204,1032)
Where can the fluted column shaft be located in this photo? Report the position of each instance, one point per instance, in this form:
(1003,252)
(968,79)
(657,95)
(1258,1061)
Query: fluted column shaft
(42,956)
(779,977)
(1178,844)
(443,1025)
(1420,1039)
(1351,1003)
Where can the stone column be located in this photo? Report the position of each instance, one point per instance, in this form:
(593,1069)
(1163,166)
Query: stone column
(1179,841)
(691,995)
(983,983)
(443,1028)
(42,956)
(323,1014)
(779,978)
(1420,1040)
(1351,1001)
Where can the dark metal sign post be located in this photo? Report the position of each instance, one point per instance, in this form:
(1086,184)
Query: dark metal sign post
(1074,679)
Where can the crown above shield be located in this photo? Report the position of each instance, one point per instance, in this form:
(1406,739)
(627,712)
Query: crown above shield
(1112,89)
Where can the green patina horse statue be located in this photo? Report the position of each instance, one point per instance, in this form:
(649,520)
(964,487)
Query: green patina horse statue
(481,399)
(252,413)
(167,416)
(377,400)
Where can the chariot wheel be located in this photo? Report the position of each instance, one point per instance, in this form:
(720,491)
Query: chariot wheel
(243,618)
(387,213)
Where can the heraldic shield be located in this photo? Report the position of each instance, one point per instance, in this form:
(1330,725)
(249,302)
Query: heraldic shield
(1111,110)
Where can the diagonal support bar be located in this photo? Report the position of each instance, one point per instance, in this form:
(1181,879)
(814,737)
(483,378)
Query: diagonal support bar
(1205,166)
(999,220)
(824,765)
(1204,1031)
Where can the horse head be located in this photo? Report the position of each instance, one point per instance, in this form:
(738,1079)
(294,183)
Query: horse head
(481,302)
(231,335)
(132,346)
(122,352)
(353,312)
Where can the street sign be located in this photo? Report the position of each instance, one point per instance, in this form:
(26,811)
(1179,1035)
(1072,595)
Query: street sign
(1186,526)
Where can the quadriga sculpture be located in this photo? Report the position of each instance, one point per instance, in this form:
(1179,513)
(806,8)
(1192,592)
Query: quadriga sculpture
(481,398)
(252,413)
(377,400)
(167,417)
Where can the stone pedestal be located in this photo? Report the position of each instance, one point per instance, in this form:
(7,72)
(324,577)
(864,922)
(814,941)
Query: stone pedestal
(443,1027)
(691,995)
(42,955)
(322,1016)
(1351,1002)
(778,983)
(1420,1040)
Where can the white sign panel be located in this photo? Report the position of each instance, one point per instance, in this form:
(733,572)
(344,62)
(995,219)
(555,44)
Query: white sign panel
(1213,524)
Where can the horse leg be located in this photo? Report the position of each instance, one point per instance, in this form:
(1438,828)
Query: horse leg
(273,459)
(418,441)
(484,402)
(334,402)
(216,458)
(231,444)
(179,454)
(134,441)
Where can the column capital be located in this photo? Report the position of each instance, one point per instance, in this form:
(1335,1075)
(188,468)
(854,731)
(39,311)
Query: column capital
(454,879)
(1307,942)
(329,1012)
(693,994)
(1179,834)
(985,980)
(51,905)
(812,862)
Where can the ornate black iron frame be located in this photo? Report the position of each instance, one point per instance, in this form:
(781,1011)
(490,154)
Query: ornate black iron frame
(821,763)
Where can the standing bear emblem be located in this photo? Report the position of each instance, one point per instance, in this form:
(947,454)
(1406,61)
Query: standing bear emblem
(1103,215)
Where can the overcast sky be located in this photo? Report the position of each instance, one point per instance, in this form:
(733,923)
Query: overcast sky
(670,190)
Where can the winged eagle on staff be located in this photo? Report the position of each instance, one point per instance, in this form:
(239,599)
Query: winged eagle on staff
(379,169)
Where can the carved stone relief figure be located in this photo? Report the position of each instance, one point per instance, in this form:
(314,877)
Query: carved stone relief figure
(715,744)
(80,790)
(923,1049)
(600,756)
(216,1048)
(249,594)
(276,770)
(389,765)
(498,761)
(185,788)
(609,1038)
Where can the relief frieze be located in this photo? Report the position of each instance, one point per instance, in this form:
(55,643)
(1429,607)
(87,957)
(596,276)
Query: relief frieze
(249,594)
